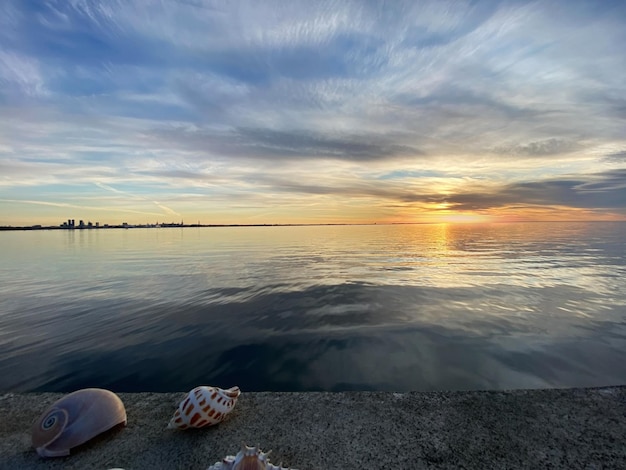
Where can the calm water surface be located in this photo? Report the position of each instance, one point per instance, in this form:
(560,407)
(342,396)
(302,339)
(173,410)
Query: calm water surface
(395,307)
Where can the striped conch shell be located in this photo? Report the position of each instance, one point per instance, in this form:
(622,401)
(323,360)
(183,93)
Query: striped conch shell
(75,419)
(248,458)
(204,406)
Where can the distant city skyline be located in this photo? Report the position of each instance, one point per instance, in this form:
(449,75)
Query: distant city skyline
(312,112)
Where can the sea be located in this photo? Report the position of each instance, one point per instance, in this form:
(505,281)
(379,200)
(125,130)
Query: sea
(424,307)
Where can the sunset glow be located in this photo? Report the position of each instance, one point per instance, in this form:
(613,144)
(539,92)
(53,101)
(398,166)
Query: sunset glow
(466,218)
(311,112)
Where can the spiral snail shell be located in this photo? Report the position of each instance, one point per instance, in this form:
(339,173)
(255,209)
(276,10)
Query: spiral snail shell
(204,406)
(74,419)
(248,458)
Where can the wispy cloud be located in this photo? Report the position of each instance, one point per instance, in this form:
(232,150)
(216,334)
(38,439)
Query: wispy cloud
(294,144)
(195,107)
(539,148)
(20,75)
(79,207)
(166,210)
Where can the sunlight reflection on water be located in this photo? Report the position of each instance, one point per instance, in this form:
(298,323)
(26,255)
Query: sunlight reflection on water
(400,307)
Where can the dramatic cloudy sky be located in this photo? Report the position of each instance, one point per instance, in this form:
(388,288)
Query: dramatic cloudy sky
(312,111)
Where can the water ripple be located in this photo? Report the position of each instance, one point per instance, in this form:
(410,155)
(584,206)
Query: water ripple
(407,307)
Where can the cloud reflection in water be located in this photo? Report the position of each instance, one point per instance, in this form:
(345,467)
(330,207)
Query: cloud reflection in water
(470,308)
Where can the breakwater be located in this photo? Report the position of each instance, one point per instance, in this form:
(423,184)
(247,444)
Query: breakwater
(557,428)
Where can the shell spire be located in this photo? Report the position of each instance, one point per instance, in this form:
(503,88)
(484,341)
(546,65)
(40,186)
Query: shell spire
(76,418)
(248,458)
(204,406)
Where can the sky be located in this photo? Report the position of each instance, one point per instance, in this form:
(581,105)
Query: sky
(227,112)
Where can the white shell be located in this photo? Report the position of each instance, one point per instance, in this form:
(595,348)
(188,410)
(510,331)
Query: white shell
(248,458)
(75,419)
(204,406)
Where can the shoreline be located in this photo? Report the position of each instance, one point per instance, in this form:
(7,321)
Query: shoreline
(9,228)
(557,428)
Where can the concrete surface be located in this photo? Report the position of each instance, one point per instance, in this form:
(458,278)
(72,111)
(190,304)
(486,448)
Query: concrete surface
(575,428)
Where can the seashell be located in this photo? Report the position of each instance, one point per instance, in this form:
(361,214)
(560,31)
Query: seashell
(204,406)
(75,419)
(248,458)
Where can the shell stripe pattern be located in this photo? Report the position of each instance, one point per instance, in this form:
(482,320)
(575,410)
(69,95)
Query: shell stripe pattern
(204,406)
(248,458)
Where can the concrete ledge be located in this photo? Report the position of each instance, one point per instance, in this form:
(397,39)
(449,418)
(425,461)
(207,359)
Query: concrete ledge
(574,428)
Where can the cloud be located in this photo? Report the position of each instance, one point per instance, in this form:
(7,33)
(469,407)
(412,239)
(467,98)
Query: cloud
(475,103)
(20,75)
(539,148)
(605,190)
(78,206)
(275,144)
(617,157)
(126,194)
